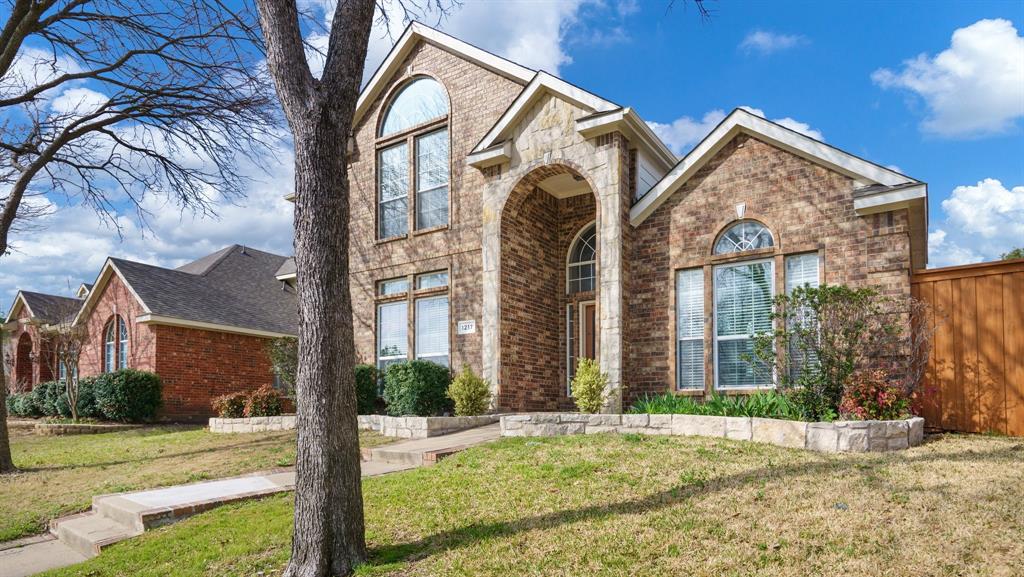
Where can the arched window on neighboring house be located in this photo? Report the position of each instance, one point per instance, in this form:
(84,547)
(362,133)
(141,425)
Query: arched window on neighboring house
(413,163)
(115,345)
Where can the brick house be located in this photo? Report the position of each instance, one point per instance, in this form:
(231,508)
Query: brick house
(29,357)
(202,327)
(506,219)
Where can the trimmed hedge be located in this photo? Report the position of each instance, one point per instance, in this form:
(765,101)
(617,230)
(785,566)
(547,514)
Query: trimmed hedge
(231,405)
(263,402)
(22,405)
(417,388)
(128,395)
(366,389)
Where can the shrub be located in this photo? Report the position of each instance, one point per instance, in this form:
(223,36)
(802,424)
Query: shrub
(870,395)
(417,388)
(263,402)
(87,408)
(366,389)
(128,395)
(588,386)
(284,360)
(471,394)
(231,405)
(22,405)
(762,404)
(44,395)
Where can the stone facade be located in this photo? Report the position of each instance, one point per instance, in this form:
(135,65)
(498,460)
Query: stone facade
(511,224)
(422,427)
(838,436)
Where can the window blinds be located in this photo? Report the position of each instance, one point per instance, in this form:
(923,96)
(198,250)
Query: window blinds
(802,270)
(393,170)
(432,329)
(392,331)
(432,179)
(690,329)
(743,308)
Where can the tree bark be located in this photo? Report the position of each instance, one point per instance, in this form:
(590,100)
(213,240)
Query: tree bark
(329,536)
(6,462)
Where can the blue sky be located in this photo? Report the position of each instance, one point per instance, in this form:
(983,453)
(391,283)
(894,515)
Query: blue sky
(935,89)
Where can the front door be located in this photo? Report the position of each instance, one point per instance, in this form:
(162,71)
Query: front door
(581,327)
(588,330)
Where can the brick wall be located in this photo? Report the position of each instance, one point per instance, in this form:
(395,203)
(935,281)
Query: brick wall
(807,207)
(197,365)
(116,299)
(574,213)
(478,98)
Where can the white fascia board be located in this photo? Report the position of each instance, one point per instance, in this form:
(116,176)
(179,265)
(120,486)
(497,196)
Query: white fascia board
(628,122)
(742,121)
(288,276)
(14,306)
(541,83)
(176,322)
(886,200)
(415,32)
(497,154)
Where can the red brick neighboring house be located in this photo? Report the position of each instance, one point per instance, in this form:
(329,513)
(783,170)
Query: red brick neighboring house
(30,359)
(203,327)
(506,219)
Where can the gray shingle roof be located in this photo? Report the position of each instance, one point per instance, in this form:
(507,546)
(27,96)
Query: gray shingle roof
(234,287)
(50,308)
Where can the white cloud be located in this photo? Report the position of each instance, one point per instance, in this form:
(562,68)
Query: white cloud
(684,132)
(973,88)
(766,42)
(981,222)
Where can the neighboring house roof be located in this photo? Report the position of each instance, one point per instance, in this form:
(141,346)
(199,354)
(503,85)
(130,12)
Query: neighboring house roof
(83,290)
(231,290)
(44,308)
(287,270)
(878,188)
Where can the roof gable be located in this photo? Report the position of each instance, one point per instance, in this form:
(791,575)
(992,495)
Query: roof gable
(43,307)
(417,32)
(879,182)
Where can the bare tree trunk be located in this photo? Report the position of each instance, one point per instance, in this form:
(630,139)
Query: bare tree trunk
(329,537)
(6,462)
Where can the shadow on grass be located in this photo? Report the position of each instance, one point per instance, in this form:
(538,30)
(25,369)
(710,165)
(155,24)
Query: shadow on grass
(473,533)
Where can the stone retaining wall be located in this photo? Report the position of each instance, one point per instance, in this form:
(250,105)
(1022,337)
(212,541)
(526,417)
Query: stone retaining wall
(422,427)
(838,436)
(252,424)
(54,429)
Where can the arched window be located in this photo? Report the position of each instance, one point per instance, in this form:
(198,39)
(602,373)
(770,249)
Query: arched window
(421,176)
(422,100)
(115,345)
(582,267)
(744,236)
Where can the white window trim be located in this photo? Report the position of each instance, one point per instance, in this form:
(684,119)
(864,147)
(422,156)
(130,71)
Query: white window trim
(714,327)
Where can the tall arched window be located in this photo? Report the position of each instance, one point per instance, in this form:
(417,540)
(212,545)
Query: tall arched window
(581,273)
(743,236)
(412,160)
(115,345)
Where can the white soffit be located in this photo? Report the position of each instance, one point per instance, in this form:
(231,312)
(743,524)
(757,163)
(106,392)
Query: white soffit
(416,32)
(542,83)
(742,121)
(886,200)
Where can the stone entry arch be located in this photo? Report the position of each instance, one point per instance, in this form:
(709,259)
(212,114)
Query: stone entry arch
(543,214)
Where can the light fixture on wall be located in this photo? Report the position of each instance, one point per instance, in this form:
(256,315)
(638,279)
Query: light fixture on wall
(741,209)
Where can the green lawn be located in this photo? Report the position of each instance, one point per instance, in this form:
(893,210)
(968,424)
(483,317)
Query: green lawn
(60,475)
(631,505)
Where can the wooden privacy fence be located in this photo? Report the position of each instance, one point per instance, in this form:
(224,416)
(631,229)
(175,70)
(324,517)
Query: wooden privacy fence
(975,377)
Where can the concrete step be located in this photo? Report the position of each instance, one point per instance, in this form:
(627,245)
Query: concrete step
(419,452)
(89,533)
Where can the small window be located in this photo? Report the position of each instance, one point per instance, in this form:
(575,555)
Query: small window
(744,236)
(122,344)
(582,270)
(109,348)
(690,329)
(432,280)
(392,334)
(395,286)
(422,100)
(432,330)
(570,349)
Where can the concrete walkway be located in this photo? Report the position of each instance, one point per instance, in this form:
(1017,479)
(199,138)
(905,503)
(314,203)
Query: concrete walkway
(114,518)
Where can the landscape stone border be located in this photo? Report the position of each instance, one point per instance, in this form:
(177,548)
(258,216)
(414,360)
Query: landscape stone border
(54,429)
(422,427)
(400,427)
(252,424)
(838,436)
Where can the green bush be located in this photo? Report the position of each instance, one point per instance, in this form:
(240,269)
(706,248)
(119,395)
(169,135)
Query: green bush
(763,404)
(45,395)
(588,386)
(471,394)
(87,408)
(231,405)
(128,395)
(22,405)
(366,389)
(417,388)
(264,402)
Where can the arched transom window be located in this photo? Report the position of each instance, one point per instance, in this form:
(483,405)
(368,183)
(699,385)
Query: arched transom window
(413,171)
(744,236)
(115,345)
(582,268)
